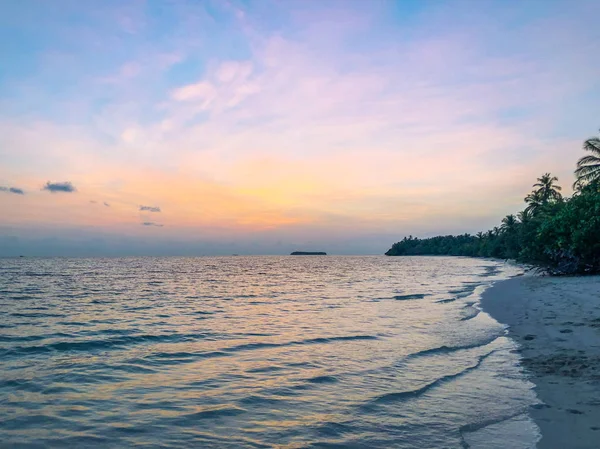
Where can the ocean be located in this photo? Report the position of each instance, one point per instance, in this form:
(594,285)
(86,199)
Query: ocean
(258,352)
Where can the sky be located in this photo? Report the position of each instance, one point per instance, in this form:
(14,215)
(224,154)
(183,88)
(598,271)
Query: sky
(180,127)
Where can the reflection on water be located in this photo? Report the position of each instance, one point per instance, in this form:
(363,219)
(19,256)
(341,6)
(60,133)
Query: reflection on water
(283,352)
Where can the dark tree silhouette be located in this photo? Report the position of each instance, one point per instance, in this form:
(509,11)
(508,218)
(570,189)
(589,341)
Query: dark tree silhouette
(509,223)
(588,167)
(547,190)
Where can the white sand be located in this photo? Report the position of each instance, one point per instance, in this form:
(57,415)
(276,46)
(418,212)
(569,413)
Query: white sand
(556,321)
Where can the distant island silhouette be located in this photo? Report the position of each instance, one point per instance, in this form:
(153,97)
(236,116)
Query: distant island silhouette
(308,253)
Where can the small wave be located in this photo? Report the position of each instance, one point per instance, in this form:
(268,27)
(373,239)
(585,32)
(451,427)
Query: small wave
(407,297)
(73,323)
(466,291)
(445,301)
(76,441)
(59,390)
(402,297)
(334,429)
(174,358)
(265,369)
(302,365)
(158,405)
(87,378)
(128,429)
(323,380)
(71,295)
(106,344)
(36,315)
(214,413)
(251,346)
(137,308)
(392,397)
(33,274)
(254,334)
(343,338)
(13,339)
(261,400)
(22,297)
(107,321)
(131,368)
(319,340)
(21,385)
(33,420)
(113,331)
(448,349)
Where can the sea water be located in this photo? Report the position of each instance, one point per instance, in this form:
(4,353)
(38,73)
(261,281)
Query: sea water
(257,352)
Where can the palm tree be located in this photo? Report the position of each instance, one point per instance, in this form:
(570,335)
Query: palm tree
(534,203)
(546,189)
(509,223)
(588,167)
(545,192)
(524,216)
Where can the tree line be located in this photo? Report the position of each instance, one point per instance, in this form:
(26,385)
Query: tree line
(560,234)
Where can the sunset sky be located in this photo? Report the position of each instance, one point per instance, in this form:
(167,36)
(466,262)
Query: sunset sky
(263,127)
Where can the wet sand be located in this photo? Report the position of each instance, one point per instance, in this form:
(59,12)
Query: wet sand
(556,321)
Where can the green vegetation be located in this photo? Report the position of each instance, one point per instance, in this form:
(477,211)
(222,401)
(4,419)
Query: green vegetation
(560,234)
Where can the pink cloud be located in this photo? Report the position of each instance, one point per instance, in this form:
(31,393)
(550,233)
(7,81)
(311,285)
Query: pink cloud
(230,71)
(202,91)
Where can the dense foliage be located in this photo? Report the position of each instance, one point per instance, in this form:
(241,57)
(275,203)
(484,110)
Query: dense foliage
(560,234)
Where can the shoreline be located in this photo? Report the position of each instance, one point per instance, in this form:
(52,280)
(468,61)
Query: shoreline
(556,323)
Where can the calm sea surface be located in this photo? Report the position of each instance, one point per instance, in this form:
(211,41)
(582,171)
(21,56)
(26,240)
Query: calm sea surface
(257,352)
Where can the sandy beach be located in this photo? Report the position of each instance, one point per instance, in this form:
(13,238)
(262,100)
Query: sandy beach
(556,321)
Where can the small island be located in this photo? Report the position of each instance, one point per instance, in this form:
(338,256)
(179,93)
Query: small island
(308,253)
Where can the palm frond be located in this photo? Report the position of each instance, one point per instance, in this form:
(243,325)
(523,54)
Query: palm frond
(585,160)
(588,177)
(532,208)
(524,215)
(532,197)
(592,145)
(585,169)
